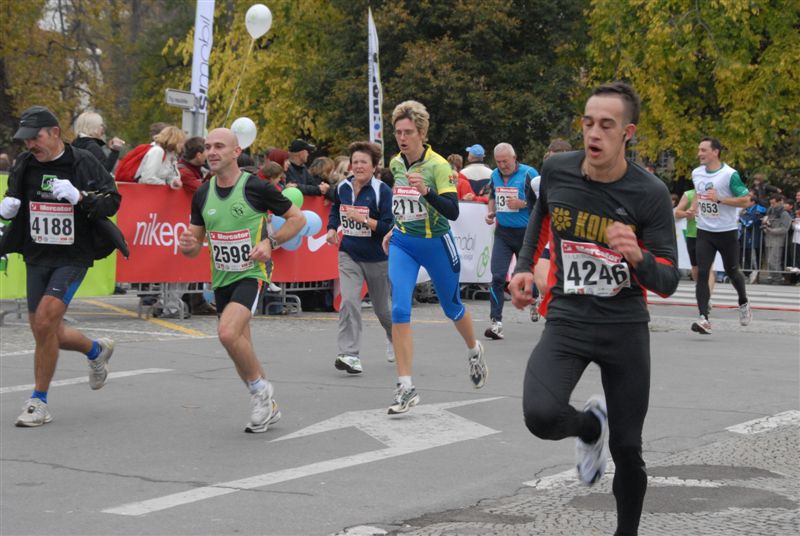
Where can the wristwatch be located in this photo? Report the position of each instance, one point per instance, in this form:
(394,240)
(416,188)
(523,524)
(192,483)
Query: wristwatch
(274,243)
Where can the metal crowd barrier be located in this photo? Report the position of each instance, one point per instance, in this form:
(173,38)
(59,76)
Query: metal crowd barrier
(164,300)
(763,265)
(287,301)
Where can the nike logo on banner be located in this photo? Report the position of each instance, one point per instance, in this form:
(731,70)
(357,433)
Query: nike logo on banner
(315,243)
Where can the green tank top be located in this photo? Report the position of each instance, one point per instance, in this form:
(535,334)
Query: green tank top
(234,228)
(691,223)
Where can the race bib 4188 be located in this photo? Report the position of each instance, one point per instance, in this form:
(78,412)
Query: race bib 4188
(52,223)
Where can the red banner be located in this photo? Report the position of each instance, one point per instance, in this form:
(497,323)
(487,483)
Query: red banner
(153,217)
(314,260)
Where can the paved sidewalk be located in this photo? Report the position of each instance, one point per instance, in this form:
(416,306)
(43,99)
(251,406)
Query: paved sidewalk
(775,297)
(744,485)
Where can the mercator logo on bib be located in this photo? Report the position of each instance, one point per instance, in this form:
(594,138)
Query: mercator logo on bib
(52,223)
(354,227)
(503,195)
(406,205)
(231,250)
(591,269)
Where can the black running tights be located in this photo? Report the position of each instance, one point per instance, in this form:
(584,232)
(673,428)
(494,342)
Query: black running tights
(622,351)
(707,245)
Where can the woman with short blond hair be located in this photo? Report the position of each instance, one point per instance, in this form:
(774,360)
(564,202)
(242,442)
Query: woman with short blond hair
(90,132)
(424,201)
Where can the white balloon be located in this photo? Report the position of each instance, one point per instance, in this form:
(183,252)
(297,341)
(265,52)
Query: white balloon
(258,20)
(245,131)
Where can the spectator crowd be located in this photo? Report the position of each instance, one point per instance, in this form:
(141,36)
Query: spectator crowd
(768,231)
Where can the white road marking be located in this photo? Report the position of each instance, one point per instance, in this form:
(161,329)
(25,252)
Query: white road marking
(425,427)
(675,481)
(563,479)
(167,336)
(83,379)
(20,352)
(569,478)
(362,530)
(131,331)
(765,424)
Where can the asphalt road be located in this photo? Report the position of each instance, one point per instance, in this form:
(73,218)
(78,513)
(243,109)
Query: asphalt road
(160,449)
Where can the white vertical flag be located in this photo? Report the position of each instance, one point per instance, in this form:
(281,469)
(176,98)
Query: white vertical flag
(375,99)
(203,40)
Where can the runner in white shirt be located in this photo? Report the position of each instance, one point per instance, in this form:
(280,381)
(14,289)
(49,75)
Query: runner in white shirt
(720,194)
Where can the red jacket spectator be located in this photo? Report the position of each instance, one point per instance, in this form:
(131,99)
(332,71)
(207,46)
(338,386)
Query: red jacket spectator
(191,176)
(190,165)
(465,193)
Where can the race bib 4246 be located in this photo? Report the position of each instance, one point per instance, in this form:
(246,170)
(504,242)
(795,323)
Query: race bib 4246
(592,269)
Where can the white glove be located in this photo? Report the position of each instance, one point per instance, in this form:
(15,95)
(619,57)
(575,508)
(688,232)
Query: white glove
(9,207)
(63,189)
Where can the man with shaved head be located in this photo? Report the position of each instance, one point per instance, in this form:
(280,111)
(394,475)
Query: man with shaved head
(230,210)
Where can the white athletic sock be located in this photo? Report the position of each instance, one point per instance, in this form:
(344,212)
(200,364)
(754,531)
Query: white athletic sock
(473,351)
(257,385)
(405,381)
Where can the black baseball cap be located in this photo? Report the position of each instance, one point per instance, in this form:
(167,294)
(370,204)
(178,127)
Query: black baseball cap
(299,145)
(33,119)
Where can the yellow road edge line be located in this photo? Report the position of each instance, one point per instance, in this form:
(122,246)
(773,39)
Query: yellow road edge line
(159,322)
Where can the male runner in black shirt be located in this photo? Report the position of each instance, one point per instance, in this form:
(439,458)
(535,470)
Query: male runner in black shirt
(612,236)
(57,197)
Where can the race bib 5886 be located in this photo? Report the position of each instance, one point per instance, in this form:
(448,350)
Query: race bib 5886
(353,227)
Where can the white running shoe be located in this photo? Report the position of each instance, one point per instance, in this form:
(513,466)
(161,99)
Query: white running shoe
(389,351)
(34,413)
(591,457)
(478,369)
(98,367)
(495,332)
(702,326)
(276,416)
(263,410)
(350,363)
(745,314)
(535,309)
(404,400)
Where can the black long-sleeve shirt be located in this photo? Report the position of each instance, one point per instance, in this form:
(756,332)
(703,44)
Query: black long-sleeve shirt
(95,146)
(594,284)
(30,182)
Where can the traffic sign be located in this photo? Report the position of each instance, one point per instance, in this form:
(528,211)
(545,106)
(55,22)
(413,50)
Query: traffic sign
(181,99)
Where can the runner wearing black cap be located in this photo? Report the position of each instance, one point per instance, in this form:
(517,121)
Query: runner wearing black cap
(58,199)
